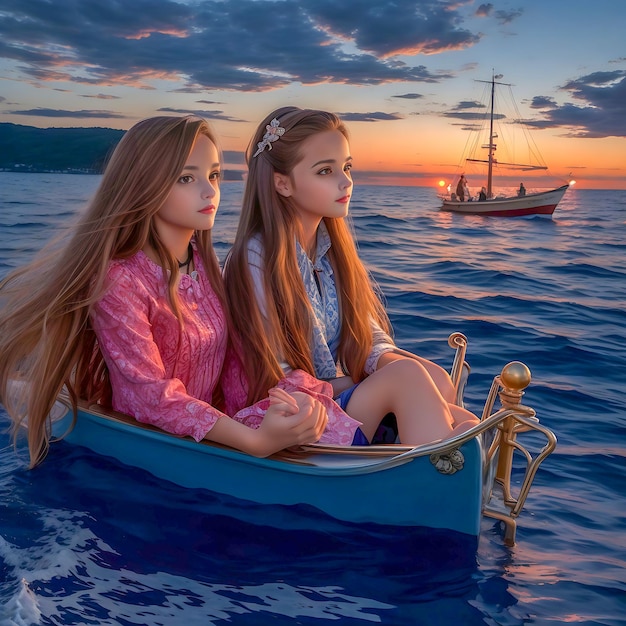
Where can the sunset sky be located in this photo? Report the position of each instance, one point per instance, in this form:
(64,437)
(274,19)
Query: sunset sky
(402,74)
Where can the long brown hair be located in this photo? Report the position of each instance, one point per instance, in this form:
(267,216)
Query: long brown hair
(46,340)
(287,327)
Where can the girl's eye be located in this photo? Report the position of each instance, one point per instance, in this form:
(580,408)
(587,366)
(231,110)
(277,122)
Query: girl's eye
(185,180)
(325,171)
(347,167)
(215,176)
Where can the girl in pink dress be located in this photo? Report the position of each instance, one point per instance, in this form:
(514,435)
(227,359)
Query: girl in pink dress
(129,310)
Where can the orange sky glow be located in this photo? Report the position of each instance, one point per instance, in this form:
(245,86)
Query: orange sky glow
(407,85)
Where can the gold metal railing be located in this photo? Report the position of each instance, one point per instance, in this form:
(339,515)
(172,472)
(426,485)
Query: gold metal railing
(504,505)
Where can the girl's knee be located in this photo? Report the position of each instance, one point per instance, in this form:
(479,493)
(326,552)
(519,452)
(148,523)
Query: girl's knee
(461,415)
(406,370)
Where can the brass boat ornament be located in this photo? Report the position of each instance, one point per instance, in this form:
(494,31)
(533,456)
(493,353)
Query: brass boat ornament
(502,504)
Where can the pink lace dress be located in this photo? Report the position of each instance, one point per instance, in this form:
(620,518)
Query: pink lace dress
(166,375)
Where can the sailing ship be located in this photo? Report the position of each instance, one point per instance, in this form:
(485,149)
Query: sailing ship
(490,203)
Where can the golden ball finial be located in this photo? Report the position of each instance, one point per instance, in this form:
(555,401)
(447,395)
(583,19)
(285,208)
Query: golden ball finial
(515,375)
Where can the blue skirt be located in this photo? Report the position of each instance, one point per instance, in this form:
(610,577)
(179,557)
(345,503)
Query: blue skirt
(384,433)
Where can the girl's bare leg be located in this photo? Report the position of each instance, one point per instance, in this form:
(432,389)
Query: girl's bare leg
(463,419)
(405,388)
(440,377)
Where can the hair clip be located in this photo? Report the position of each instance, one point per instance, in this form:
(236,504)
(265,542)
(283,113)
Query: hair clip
(274,132)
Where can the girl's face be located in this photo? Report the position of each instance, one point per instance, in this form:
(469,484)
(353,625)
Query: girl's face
(193,200)
(321,183)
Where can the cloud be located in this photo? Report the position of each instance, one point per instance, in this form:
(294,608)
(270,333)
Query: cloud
(377,116)
(394,27)
(543,102)
(506,17)
(484,10)
(101,96)
(468,104)
(599,109)
(602,112)
(502,17)
(208,115)
(261,45)
(247,45)
(470,110)
(81,115)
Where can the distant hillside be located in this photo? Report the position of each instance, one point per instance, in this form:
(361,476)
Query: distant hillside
(68,150)
(30,149)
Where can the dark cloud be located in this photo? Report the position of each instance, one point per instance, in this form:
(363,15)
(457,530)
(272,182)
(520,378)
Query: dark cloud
(394,27)
(470,110)
(259,45)
(506,17)
(503,17)
(187,89)
(209,115)
(542,102)
(471,115)
(80,115)
(484,10)
(468,104)
(599,111)
(244,45)
(377,116)
(598,86)
(101,96)
(602,112)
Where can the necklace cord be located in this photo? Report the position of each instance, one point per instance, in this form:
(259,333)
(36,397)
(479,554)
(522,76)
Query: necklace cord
(187,261)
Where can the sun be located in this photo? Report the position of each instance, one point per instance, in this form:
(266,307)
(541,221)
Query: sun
(442,183)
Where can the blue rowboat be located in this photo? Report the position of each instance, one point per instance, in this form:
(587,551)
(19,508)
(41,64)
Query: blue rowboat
(446,485)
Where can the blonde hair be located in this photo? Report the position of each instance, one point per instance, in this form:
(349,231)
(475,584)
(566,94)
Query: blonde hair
(287,329)
(46,340)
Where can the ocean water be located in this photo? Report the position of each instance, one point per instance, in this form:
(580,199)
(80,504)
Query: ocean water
(86,540)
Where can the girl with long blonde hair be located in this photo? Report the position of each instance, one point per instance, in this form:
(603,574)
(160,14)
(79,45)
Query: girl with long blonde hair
(300,296)
(129,309)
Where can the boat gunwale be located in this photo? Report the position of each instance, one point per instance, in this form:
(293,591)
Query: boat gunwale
(303,459)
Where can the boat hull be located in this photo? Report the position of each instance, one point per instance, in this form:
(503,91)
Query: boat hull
(350,487)
(543,203)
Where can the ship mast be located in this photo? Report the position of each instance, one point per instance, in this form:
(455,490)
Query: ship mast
(491,145)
